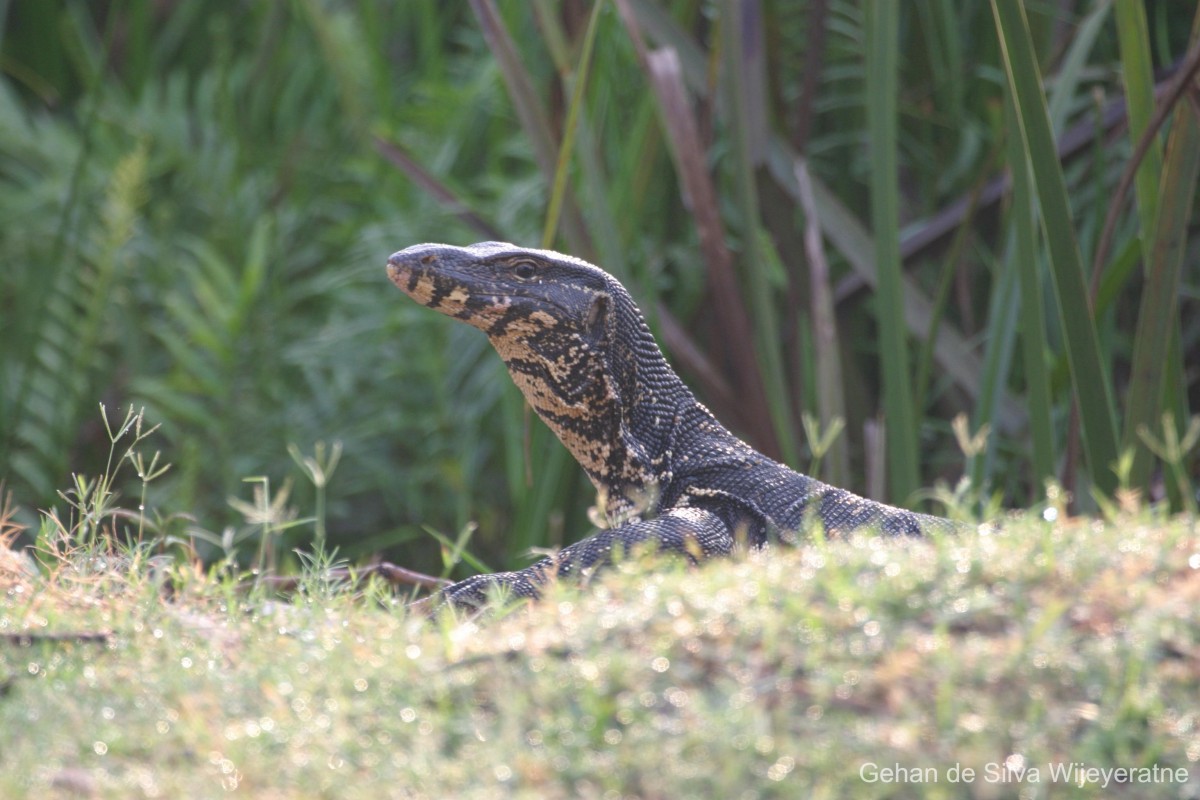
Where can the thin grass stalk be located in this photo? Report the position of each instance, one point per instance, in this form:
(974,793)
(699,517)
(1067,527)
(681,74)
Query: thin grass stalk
(1089,378)
(1003,305)
(745,117)
(1033,320)
(532,116)
(683,136)
(999,342)
(639,173)
(3,22)
(597,193)
(883,58)
(1134,41)
(814,61)
(400,158)
(925,355)
(532,524)
(654,20)
(340,42)
(1157,317)
(1133,38)
(1072,69)
(563,165)
(831,403)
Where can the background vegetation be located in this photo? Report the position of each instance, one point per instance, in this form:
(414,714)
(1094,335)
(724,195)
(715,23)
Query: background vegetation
(887,214)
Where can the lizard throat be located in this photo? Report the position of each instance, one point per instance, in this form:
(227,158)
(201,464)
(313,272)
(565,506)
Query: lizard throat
(566,384)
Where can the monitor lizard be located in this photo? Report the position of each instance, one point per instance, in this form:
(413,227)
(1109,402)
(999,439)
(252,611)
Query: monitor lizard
(666,471)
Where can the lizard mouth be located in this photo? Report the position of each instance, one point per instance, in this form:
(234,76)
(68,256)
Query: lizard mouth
(419,278)
(401,270)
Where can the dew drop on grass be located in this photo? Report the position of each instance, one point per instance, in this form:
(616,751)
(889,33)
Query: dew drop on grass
(779,770)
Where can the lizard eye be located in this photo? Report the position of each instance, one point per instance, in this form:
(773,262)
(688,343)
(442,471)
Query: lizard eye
(524,270)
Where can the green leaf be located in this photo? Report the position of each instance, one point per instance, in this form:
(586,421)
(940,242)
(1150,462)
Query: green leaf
(563,164)
(1160,297)
(1033,319)
(883,57)
(1093,388)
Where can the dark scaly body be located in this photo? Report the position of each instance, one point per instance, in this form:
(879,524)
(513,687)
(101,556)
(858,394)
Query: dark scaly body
(664,468)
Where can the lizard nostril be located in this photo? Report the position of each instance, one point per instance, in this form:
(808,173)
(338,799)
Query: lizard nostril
(428,259)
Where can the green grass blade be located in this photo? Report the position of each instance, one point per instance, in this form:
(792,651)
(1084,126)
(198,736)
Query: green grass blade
(883,56)
(745,116)
(1033,320)
(563,164)
(400,158)
(663,29)
(1072,71)
(1089,377)
(827,353)
(532,115)
(598,193)
(1160,297)
(687,151)
(999,343)
(1133,37)
(1136,62)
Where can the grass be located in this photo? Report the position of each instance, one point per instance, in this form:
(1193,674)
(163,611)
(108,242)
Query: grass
(779,674)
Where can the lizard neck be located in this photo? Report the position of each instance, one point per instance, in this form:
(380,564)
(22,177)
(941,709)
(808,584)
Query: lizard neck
(613,403)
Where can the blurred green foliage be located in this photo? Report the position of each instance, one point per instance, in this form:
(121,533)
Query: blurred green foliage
(196,201)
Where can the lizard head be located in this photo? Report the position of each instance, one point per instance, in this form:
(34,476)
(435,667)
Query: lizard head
(530,303)
(570,335)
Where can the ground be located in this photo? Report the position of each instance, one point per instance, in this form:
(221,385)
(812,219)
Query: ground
(1039,660)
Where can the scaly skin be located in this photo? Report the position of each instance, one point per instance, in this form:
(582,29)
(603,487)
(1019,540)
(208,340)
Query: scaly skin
(664,469)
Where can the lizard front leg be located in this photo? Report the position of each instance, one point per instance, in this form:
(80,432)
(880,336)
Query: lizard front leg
(691,532)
